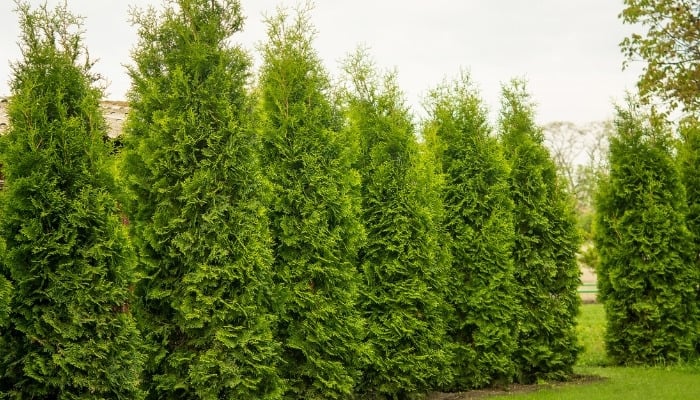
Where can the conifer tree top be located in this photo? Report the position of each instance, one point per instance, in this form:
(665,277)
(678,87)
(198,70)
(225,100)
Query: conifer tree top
(518,111)
(54,108)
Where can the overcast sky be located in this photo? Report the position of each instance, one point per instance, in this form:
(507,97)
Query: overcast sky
(566,49)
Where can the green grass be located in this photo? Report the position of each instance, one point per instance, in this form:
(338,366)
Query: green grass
(662,382)
(591,329)
(625,383)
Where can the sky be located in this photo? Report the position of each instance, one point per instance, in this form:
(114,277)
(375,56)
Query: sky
(567,50)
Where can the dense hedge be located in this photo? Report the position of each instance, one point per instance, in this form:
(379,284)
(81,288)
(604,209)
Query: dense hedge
(314,215)
(479,224)
(402,263)
(546,242)
(647,279)
(197,205)
(69,333)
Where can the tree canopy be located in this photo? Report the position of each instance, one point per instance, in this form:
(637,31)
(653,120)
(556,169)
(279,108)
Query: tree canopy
(669,49)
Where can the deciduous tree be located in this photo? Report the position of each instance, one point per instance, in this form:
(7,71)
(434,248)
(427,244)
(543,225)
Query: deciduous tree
(669,49)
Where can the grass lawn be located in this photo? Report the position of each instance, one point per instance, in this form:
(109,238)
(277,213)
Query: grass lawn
(623,383)
(658,383)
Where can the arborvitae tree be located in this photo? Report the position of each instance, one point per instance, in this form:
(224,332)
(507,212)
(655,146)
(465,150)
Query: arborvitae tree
(689,164)
(546,242)
(479,224)
(647,278)
(70,333)
(403,265)
(198,208)
(314,215)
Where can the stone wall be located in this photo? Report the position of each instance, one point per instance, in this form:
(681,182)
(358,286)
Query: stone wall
(114,111)
(3,114)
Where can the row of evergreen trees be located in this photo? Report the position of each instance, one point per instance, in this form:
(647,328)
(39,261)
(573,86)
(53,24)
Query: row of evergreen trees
(292,239)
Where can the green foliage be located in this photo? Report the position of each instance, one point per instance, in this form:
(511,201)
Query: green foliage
(5,284)
(314,215)
(403,266)
(197,208)
(546,242)
(5,296)
(646,277)
(479,222)
(588,255)
(668,48)
(69,333)
(689,165)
